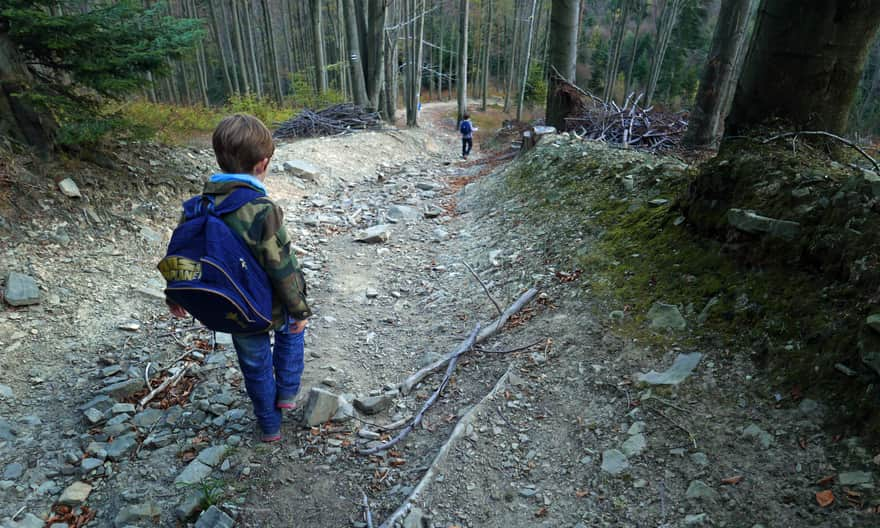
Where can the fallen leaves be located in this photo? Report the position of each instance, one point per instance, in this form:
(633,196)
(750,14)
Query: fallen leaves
(542,512)
(825,498)
(825,481)
(581,493)
(736,479)
(64,514)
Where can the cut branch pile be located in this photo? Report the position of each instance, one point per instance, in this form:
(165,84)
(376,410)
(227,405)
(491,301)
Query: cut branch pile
(332,121)
(629,125)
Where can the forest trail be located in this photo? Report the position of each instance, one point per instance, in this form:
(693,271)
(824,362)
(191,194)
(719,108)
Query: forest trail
(568,441)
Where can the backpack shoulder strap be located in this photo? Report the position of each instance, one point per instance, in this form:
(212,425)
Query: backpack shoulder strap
(236,199)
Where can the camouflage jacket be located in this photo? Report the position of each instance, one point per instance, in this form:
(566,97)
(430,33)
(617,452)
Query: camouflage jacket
(260,223)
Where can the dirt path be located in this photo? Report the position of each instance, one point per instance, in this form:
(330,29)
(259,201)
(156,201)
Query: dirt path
(537,454)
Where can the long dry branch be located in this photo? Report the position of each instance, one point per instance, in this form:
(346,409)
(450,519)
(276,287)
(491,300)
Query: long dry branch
(845,141)
(169,382)
(462,348)
(407,385)
(457,433)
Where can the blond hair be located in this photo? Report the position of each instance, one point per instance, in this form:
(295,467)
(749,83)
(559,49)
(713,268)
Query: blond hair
(240,142)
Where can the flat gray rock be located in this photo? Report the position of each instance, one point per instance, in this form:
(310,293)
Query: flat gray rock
(634,445)
(320,407)
(681,368)
(214,517)
(193,473)
(123,389)
(855,478)
(666,317)
(121,446)
(302,170)
(69,188)
(13,471)
(213,455)
(751,222)
(403,213)
(28,521)
(699,490)
(75,494)
(135,513)
(614,462)
(761,436)
(6,392)
(21,289)
(374,235)
(372,404)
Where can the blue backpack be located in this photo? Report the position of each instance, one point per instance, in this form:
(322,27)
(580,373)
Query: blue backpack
(211,272)
(465,128)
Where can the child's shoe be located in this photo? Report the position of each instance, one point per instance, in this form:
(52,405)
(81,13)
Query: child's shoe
(267,438)
(286,403)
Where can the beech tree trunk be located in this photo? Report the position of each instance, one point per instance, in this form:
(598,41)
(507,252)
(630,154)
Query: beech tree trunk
(488,46)
(615,48)
(352,38)
(718,73)
(376,50)
(239,45)
(804,63)
(526,63)
(668,20)
(562,56)
(511,66)
(463,60)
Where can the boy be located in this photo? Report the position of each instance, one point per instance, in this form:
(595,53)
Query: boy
(466,128)
(243,147)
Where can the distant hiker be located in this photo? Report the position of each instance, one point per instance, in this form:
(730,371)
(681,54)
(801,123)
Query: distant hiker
(467,129)
(230,265)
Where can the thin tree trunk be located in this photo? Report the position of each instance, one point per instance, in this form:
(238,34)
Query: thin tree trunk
(614,50)
(526,62)
(391,55)
(512,65)
(488,47)
(463,60)
(318,45)
(718,73)
(376,51)
(275,70)
(239,44)
(255,66)
(224,60)
(442,55)
(640,17)
(562,56)
(668,20)
(359,89)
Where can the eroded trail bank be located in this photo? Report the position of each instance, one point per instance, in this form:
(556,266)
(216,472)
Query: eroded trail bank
(568,437)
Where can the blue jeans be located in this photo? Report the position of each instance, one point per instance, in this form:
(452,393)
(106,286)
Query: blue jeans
(270,374)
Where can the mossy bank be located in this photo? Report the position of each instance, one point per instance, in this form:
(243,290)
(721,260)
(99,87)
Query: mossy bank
(637,229)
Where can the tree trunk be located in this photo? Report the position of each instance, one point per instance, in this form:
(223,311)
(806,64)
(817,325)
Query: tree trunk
(318,45)
(358,83)
(668,19)
(640,17)
(463,60)
(376,51)
(218,38)
(239,45)
(718,73)
(255,67)
(562,56)
(391,55)
(511,66)
(488,47)
(18,119)
(614,50)
(442,55)
(275,70)
(804,64)
(526,63)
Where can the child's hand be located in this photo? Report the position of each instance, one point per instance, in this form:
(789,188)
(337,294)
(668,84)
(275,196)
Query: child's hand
(297,327)
(177,310)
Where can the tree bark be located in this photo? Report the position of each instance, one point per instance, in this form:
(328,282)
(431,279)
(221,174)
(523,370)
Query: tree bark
(275,70)
(511,66)
(562,56)
(239,45)
(255,66)
(488,47)
(526,63)
(318,45)
(391,67)
(718,73)
(358,83)
(614,50)
(376,51)
(804,64)
(463,60)
(640,17)
(668,20)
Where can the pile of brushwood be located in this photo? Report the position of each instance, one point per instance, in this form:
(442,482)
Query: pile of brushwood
(332,121)
(630,125)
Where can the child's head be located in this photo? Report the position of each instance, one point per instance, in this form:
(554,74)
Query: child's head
(243,145)
(466,116)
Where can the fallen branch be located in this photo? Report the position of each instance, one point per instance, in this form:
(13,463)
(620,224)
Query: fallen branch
(457,433)
(512,350)
(407,385)
(485,289)
(464,347)
(691,436)
(170,382)
(845,141)
(367,513)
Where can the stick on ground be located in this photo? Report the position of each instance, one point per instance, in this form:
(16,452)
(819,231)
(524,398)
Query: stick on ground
(170,382)
(485,289)
(407,385)
(464,347)
(457,433)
